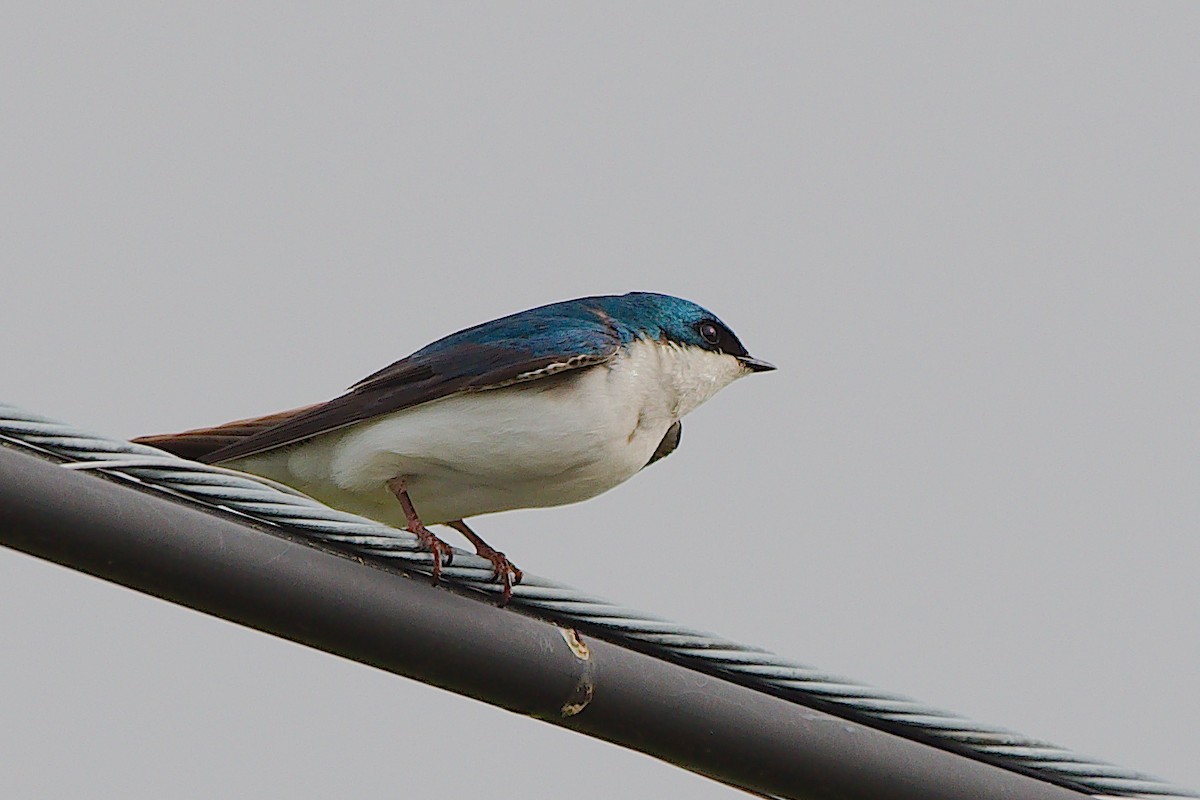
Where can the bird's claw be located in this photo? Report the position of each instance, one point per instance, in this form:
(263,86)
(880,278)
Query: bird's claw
(503,571)
(443,554)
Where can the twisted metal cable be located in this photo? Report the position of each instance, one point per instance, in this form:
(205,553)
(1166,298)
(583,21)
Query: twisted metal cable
(748,666)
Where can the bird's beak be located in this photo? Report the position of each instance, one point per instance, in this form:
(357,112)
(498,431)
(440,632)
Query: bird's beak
(755,365)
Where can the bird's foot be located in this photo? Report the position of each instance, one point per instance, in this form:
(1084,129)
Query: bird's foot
(503,570)
(443,554)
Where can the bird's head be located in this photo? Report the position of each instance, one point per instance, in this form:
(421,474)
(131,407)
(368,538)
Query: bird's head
(692,352)
(679,322)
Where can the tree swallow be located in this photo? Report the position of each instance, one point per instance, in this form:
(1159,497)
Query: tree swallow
(550,406)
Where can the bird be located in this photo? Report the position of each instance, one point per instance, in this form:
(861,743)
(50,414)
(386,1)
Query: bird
(549,406)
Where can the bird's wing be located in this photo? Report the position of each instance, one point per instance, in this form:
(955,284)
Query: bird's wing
(668,444)
(488,358)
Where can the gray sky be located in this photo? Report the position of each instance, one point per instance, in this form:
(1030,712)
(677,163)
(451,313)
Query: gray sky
(968,236)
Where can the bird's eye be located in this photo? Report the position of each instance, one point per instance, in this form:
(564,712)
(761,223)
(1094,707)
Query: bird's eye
(709,332)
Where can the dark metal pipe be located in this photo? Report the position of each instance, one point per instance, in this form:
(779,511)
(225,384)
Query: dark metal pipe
(269,580)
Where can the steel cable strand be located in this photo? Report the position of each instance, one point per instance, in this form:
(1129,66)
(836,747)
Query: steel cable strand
(263,501)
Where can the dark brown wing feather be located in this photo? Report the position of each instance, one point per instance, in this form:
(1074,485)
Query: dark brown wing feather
(200,442)
(520,347)
(395,388)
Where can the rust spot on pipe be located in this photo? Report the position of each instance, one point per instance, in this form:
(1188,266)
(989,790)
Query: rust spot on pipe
(579,698)
(571,637)
(582,694)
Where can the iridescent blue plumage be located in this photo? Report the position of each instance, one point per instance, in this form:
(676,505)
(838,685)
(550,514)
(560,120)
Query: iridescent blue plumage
(584,325)
(474,423)
(567,335)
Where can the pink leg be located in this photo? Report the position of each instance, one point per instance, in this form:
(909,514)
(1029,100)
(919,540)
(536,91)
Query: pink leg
(441,551)
(502,569)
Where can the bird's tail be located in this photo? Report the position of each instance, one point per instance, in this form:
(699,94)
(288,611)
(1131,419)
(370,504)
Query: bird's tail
(200,443)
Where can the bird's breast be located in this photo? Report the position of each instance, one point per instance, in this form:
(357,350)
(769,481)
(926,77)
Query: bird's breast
(546,442)
(550,441)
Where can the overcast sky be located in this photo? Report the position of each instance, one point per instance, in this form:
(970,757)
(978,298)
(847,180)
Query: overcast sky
(969,236)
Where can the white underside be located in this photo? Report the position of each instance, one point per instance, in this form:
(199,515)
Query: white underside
(547,442)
